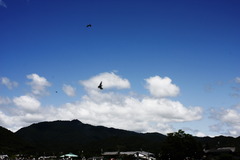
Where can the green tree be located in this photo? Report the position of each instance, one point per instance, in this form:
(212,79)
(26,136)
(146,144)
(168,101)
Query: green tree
(179,145)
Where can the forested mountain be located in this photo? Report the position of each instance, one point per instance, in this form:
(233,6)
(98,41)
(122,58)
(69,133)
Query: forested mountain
(59,137)
(74,136)
(219,142)
(10,143)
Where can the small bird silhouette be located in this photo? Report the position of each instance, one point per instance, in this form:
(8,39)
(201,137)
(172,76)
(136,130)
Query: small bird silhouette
(89,25)
(100,85)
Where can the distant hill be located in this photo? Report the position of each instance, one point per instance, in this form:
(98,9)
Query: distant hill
(60,137)
(220,141)
(10,142)
(74,136)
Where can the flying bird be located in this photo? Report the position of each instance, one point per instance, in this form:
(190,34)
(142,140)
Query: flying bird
(89,25)
(100,85)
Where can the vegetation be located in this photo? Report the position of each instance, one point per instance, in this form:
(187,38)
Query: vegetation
(179,145)
(65,136)
(10,143)
(60,137)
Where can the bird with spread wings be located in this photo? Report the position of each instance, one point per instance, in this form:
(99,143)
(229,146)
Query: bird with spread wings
(89,25)
(100,85)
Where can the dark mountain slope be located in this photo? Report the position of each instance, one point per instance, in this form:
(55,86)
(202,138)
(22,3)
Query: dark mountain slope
(73,136)
(10,143)
(220,141)
(69,136)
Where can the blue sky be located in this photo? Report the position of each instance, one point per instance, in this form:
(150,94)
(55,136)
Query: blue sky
(165,65)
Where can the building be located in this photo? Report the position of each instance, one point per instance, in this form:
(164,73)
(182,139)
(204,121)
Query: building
(132,154)
(221,150)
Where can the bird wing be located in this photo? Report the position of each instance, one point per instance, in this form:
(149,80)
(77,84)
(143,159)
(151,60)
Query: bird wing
(100,85)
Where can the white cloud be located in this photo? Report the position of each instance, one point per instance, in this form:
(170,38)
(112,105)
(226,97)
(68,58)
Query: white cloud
(38,84)
(200,134)
(20,119)
(112,109)
(7,121)
(27,103)
(109,80)
(2,3)
(229,121)
(29,118)
(69,90)
(144,115)
(108,108)
(231,116)
(162,87)
(8,83)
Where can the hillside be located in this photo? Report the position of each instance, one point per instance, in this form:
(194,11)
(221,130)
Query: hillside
(10,143)
(59,137)
(220,141)
(74,136)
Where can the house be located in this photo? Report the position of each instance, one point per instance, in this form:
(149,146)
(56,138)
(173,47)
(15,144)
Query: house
(134,154)
(221,150)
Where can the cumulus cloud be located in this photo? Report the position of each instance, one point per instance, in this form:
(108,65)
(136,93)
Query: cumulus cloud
(69,90)
(38,84)
(229,121)
(27,103)
(110,80)
(20,119)
(8,121)
(126,112)
(162,87)
(3,4)
(29,118)
(8,83)
(110,108)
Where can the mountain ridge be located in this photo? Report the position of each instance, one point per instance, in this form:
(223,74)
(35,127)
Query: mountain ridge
(74,136)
